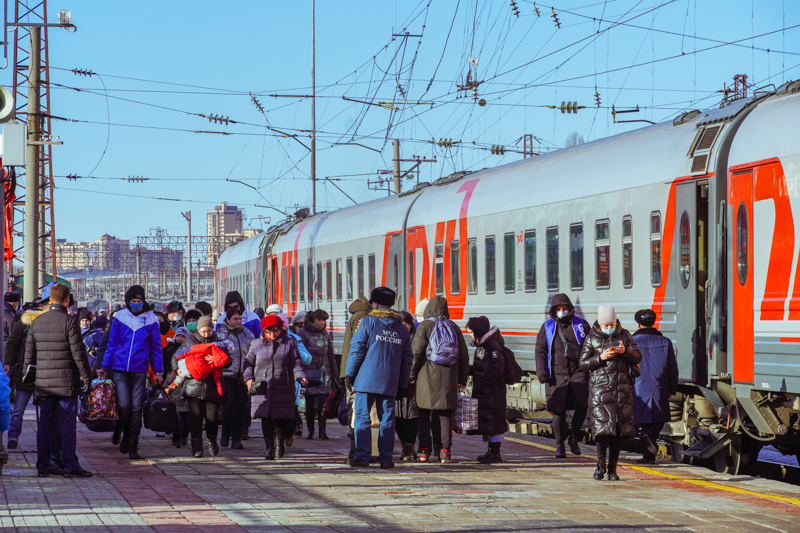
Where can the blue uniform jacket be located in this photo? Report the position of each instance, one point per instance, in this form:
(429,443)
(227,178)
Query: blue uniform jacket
(659,379)
(380,355)
(134,343)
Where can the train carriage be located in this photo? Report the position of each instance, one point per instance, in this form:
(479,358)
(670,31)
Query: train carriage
(692,218)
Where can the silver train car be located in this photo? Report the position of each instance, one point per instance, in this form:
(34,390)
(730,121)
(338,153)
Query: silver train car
(692,218)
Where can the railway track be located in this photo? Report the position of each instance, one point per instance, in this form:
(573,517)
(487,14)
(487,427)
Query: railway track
(773,470)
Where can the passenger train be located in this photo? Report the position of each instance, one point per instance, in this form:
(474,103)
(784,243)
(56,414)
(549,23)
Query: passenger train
(693,218)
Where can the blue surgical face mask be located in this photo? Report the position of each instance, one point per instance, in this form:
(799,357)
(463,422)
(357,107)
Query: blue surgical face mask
(136,307)
(609,331)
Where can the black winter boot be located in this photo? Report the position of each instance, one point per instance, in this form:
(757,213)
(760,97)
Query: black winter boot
(408,452)
(573,444)
(601,468)
(323,434)
(133,447)
(280,446)
(213,447)
(310,427)
(270,452)
(117,436)
(124,443)
(494,454)
(487,453)
(197,448)
(560,451)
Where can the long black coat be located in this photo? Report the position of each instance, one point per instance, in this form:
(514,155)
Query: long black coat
(488,385)
(55,346)
(15,349)
(278,362)
(205,389)
(610,387)
(565,374)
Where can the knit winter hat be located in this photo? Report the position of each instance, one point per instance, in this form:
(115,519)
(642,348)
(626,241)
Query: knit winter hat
(192,314)
(285,318)
(479,325)
(205,322)
(137,291)
(271,321)
(183,331)
(100,322)
(419,312)
(383,296)
(606,314)
(85,314)
(299,319)
(274,309)
(645,317)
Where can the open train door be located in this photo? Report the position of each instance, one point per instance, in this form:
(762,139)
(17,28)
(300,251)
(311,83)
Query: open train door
(691,236)
(740,193)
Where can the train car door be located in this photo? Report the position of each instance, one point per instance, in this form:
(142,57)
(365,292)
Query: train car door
(691,236)
(741,274)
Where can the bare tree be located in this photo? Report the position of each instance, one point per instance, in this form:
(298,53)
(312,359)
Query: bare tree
(574,139)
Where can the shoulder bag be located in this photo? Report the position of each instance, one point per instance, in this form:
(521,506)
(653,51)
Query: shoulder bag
(572,350)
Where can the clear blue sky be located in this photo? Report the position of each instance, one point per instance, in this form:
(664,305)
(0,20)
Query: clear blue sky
(201,57)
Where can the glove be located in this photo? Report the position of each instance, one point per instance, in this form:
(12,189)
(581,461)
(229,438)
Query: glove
(542,377)
(348,382)
(402,392)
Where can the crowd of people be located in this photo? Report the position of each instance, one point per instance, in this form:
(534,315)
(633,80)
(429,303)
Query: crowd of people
(399,373)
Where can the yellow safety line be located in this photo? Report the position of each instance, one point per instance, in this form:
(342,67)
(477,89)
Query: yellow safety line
(703,483)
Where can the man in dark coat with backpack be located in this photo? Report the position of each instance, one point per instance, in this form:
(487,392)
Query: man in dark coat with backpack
(438,373)
(659,381)
(566,385)
(378,367)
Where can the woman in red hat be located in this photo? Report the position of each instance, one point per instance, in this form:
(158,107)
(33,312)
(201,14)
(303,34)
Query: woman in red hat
(272,366)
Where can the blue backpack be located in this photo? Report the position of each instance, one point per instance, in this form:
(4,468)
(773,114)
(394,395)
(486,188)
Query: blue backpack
(442,344)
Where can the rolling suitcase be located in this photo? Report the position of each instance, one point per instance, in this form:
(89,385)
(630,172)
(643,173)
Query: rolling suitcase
(160,414)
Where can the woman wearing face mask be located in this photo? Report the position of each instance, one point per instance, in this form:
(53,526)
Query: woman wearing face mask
(203,396)
(322,371)
(566,385)
(273,365)
(190,318)
(609,354)
(234,413)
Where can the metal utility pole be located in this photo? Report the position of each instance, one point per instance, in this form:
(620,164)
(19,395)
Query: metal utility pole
(198,279)
(398,186)
(188,216)
(313,109)
(31,235)
(138,272)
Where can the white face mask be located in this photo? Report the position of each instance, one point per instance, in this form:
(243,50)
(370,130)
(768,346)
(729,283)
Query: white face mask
(561,314)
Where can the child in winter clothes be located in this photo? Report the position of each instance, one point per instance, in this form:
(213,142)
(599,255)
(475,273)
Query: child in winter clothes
(194,364)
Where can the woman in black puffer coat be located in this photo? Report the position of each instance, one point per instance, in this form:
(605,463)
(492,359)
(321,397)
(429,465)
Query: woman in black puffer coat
(488,385)
(609,354)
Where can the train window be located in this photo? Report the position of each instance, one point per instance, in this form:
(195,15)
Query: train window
(509,261)
(627,252)
(552,259)
(530,260)
(285,290)
(490,265)
(371,272)
(438,269)
(455,268)
(742,244)
(411,273)
(339,279)
(310,281)
(329,279)
(686,250)
(319,281)
(396,273)
(472,266)
(360,275)
(602,248)
(576,256)
(293,283)
(301,278)
(655,249)
(349,283)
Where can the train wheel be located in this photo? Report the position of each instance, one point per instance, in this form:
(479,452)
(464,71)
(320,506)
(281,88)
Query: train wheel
(676,451)
(741,455)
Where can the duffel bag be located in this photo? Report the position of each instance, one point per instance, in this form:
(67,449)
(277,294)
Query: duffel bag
(466,415)
(160,414)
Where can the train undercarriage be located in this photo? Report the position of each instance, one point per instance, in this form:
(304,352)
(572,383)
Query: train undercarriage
(710,426)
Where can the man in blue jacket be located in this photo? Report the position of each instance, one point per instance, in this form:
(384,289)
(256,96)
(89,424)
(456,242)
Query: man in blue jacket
(659,381)
(134,347)
(378,367)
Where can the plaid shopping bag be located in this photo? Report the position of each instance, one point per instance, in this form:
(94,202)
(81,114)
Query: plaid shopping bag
(466,414)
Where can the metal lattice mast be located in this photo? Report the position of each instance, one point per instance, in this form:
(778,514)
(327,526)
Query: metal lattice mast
(36,12)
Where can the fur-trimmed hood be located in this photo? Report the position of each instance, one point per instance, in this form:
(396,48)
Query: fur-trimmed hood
(386,313)
(30,315)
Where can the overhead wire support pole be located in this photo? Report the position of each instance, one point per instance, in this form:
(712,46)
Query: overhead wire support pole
(32,185)
(313,110)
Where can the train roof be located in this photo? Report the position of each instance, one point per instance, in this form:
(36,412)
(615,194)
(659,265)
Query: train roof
(241,252)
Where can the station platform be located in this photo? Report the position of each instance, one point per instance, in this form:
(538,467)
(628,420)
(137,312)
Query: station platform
(312,490)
